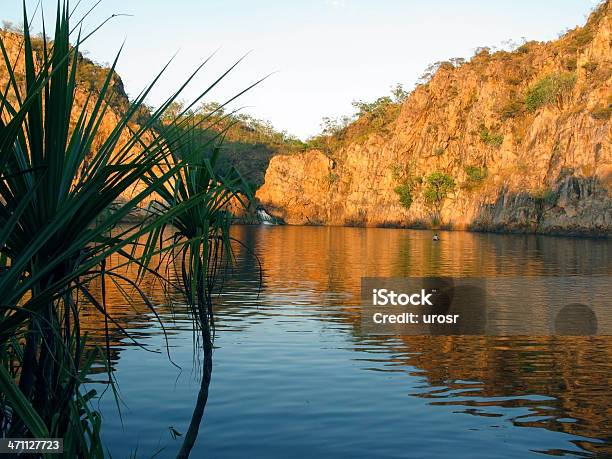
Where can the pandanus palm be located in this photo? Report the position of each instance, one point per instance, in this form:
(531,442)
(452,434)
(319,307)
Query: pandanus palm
(200,236)
(60,208)
(55,192)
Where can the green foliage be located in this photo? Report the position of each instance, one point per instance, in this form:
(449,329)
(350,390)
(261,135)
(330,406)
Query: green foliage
(399,94)
(200,236)
(405,172)
(438,185)
(62,216)
(475,173)
(404,192)
(492,138)
(173,111)
(92,75)
(369,117)
(334,126)
(378,108)
(523,49)
(56,215)
(249,143)
(582,37)
(373,109)
(482,51)
(433,68)
(549,89)
(475,177)
(407,181)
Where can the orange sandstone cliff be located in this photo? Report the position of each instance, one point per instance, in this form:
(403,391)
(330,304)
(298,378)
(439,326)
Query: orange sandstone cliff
(524,135)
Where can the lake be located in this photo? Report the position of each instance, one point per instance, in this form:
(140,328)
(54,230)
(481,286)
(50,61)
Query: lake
(295,376)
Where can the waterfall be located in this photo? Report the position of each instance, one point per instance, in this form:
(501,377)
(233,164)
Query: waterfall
(265,218)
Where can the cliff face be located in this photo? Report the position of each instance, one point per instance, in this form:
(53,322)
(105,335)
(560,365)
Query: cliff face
(524,136)
(90,77)
(248,144)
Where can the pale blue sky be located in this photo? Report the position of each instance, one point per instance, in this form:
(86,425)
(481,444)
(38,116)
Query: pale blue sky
(326,53)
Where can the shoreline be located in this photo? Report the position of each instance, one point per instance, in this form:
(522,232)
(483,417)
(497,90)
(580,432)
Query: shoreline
(503,231)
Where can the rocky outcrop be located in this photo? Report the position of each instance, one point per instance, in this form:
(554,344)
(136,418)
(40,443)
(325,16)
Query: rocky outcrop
(525,136)
(89,78)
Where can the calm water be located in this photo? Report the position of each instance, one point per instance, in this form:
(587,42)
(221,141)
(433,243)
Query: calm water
(294,377)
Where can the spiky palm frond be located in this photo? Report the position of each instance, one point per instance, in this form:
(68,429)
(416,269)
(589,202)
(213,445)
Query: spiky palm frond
(61,203)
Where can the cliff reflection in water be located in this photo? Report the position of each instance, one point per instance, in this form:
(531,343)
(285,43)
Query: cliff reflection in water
(558,383)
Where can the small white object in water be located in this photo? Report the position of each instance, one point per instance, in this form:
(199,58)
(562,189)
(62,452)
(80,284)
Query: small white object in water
(436,237)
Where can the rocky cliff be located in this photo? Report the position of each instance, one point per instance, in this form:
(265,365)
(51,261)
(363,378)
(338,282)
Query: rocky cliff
(248,146)
(522,139)
(89,79)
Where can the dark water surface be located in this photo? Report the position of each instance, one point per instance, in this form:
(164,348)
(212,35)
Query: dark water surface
(294,377)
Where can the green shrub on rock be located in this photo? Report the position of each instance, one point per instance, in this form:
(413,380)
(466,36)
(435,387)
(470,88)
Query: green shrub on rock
(549,89)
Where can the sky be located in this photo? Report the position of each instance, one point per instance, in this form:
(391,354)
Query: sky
(320,54)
